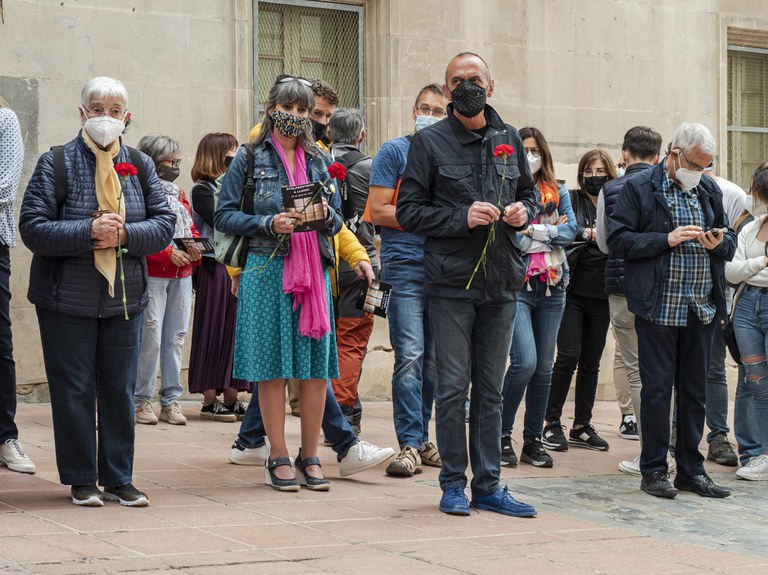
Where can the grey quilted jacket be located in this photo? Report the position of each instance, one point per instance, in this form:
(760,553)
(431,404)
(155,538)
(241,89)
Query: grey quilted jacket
(63,277)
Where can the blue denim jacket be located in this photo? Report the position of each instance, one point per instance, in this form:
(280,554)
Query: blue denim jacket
(270,176)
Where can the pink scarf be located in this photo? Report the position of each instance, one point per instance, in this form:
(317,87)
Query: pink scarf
(303,271)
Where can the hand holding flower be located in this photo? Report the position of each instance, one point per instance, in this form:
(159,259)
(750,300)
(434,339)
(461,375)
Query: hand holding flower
(286,222)
(481,214)
(515,215)
(104,230)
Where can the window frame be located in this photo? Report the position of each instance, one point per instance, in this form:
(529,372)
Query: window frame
(315,4)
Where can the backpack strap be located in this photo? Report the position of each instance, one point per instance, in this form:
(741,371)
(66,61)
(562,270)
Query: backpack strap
(60,172)
(351,158)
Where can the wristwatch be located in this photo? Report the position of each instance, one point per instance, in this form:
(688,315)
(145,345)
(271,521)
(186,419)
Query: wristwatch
(585,233)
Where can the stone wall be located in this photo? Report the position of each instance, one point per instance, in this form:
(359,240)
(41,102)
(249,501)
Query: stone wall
(583,72)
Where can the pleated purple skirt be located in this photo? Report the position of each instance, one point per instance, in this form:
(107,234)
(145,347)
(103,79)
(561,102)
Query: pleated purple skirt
(213,333)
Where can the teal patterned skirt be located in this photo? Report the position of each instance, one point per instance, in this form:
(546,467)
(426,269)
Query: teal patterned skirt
(267,341)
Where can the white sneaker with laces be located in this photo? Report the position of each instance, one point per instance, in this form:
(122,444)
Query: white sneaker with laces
(145,414)
(14,458)
(633,467)
(630,467)
(363,455)
(173,414)
(755,470)
(241,455)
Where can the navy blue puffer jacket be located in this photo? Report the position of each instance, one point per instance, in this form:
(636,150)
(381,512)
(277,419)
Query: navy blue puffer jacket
(63,276)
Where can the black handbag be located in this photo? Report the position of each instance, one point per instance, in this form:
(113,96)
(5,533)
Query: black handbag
(730,336)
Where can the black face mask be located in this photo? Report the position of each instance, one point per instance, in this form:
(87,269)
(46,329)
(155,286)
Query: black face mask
(319,132)
(228,160)
(468,99)
(594,184)
(167,173)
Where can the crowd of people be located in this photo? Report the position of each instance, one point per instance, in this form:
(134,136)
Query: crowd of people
(504,283)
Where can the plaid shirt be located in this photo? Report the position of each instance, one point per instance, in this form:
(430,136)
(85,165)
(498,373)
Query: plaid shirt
(688,284)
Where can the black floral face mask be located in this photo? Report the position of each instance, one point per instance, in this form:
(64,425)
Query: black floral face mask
(468,99)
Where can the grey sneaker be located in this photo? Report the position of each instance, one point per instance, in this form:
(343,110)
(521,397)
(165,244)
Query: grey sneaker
(721,451)
(14,458)
(407,464)
(87,496)
(127,495)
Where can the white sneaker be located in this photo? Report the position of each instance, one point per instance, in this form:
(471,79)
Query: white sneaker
(633,467)
(630,467)
(363,455)
(145,414)
(755,470)
(241,455)
(173,414)
(14,458)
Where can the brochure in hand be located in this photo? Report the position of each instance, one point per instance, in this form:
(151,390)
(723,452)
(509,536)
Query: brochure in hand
(203,245)
(374,298)
(308,200)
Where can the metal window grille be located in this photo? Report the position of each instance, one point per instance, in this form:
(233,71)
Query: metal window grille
(316,40)
(747,112)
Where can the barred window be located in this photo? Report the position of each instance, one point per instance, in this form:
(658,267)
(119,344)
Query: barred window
(316,40)
(747,103)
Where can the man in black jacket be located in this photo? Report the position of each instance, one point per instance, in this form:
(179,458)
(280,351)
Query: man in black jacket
(640,151)
(670,227)
(467,189)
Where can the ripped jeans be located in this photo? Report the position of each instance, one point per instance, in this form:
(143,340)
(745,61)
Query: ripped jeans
(166,321)
(750,325)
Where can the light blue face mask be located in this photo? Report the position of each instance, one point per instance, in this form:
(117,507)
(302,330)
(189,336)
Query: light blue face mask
(424,121)
(620,172)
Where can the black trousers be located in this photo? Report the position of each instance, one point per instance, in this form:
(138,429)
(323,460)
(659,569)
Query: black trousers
(580,342)
(7,365)
(673,358)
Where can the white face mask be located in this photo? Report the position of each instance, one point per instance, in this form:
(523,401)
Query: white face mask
(424,121)
(104,129)
(688,179)
(534,162)
(620,172)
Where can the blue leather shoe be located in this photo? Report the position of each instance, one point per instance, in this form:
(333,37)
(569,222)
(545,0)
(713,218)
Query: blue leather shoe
(454,502)
(502,502)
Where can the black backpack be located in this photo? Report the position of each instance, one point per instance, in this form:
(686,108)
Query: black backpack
(60,172)
(351,218)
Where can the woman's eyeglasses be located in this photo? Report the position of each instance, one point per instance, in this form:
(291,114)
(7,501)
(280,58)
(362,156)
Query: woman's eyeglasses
(282,79)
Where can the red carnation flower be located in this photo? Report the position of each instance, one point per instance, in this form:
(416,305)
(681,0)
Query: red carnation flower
(337,171)
(503,150)
(126,169)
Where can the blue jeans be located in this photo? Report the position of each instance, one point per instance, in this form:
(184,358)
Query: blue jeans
(678,358)
(91,364)
(750,325)
(717,390)
(531,356)
(7,366)
(166,320)
(336,428)
(474,338)
(413,380)
(745,422)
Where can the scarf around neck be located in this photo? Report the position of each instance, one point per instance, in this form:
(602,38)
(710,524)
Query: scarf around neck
(109,198)
(303,271)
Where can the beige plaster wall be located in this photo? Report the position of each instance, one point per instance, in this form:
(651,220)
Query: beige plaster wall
(582,71)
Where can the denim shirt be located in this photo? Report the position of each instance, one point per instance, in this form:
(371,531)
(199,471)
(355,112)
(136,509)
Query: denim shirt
(269,177)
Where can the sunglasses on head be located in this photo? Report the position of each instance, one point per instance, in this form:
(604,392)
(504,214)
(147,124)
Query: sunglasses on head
(283,78)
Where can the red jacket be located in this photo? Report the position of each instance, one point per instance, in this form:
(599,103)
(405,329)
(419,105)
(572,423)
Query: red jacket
(159,265)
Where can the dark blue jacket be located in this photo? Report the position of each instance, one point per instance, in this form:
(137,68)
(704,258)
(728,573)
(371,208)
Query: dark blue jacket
(449,168)
(614,266)
(63,276)
(638,231)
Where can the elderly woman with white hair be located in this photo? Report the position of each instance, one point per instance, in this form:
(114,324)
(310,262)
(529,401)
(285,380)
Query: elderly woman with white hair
(170,296)
(89,230)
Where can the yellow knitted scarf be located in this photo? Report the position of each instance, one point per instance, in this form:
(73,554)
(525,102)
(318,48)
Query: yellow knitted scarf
(107,193)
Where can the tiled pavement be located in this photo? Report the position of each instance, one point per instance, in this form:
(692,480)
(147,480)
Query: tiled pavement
(209,517)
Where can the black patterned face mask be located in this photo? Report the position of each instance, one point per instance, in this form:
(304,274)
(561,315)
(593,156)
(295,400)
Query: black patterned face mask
(468,99)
